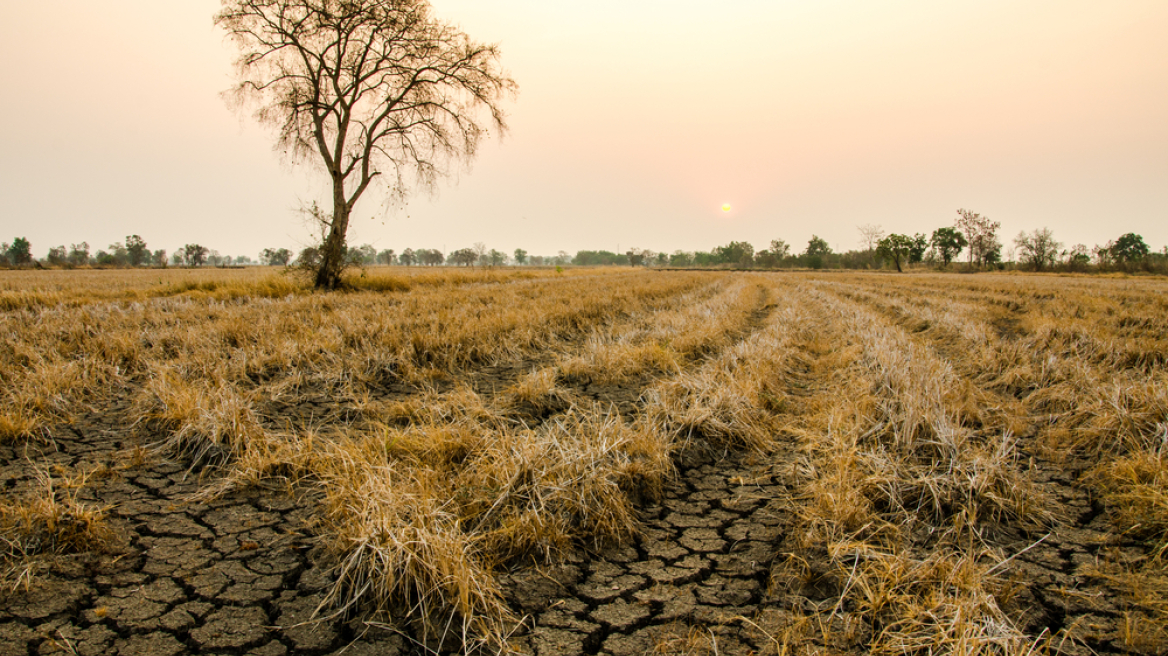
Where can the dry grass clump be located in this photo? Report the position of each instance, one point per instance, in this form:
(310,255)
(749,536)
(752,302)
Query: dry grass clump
(205,423)
(729,400)
(538,393)
(1135,487)
(48,519)
(418,516)
(574,478)
(888,601)
(399,549)
(943,603)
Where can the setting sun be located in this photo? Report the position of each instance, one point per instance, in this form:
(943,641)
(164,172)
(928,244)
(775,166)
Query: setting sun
(726,207)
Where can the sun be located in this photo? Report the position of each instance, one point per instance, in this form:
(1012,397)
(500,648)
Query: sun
(725,207)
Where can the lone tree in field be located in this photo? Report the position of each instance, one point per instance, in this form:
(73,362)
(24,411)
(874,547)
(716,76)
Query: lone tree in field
(367,89)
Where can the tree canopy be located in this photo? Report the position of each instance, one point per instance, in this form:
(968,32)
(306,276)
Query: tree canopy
(948,242)
(1129,248)
(898,248)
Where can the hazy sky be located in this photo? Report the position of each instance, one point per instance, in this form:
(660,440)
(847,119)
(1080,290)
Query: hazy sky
(636,120)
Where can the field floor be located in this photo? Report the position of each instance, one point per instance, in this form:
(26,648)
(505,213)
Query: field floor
(586,462)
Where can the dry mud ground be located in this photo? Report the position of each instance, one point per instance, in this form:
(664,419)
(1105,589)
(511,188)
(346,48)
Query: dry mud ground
(237,575)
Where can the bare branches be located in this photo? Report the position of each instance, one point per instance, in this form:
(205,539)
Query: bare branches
(982,234)
(366,88)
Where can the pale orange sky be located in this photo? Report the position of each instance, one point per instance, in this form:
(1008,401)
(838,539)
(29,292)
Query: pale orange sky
(636,121)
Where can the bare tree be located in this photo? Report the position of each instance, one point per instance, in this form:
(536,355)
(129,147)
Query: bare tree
(463,256)
(194,254)
(1039,248)
(982,235)
(870,236)
(367,89)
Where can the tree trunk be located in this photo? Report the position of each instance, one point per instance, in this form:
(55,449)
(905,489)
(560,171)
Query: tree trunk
(332,251)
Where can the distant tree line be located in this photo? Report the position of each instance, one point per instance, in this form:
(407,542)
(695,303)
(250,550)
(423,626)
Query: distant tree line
(131,253)
(972,238)
(972,235)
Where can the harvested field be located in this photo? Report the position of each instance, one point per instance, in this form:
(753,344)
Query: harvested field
(586,462)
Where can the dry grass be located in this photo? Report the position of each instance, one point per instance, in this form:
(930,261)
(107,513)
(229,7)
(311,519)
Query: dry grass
(900,405)
(665,341)
(730,399)
(898,483)
(47,520)
(419,516)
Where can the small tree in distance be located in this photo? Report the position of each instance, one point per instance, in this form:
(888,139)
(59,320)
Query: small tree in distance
(520,256)
(57,256)
(276,256)
(1039,249)
(920,245)
(948,242)
(463,256)
(20,252)
(898,248)
(136,252)
(194,255)
(1129,248)
(817,249)
(79,254)
(817,246)
(982,234)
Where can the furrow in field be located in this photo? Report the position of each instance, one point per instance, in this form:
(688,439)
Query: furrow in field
(696,571)
(898,497)
(666,341)
(1096,400)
